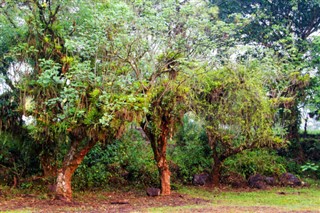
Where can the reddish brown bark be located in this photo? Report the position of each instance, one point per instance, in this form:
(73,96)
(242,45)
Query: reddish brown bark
(159,147)
(161,158)
(70,164)
(165,174)
(63,187)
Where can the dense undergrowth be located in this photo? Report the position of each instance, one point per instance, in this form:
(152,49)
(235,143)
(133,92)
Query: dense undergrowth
(130,161)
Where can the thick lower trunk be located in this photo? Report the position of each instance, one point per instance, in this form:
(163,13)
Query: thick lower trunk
(164,173)
(159,148)
(296,143)
(216,167)
(216,173)
(63,186)
(293,135)
(63,190)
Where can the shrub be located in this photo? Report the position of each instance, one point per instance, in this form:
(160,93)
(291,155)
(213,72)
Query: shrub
(261,161)
(311,170)
(128,160)
(18,158)
(190,152)
(311,147)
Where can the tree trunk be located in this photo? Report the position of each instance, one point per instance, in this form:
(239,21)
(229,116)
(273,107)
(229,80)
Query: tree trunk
(216,172)
(164,173)
(293,131)
(73,159)
(305,126)
(296,143)
(63,187)
(159,148)
(216,166)
(161,158)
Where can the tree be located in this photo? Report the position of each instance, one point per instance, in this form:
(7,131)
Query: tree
(285,27)
(314,92)
(237,114)
(273,20)
(81,90)
(16,152)
(11,118)
(177,37)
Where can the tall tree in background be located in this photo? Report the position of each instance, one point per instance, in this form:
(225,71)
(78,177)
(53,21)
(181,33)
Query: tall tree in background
(18,157)
(271,21)
(285,27)
(10,119)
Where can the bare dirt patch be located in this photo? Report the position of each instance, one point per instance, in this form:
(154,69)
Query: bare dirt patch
(97,202)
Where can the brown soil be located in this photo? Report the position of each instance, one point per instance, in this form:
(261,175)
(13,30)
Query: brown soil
(96,202)
(116,202)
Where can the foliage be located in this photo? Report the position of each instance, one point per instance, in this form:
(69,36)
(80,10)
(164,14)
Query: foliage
(237,114)
(311,170)
(309,166)
(176,34)
(313,99)
(262,162)
(81,87)
(311,147)
(273,20)
(191,152)
(125,161)
(287,27)
(18,159)
(10,118)
(85,71)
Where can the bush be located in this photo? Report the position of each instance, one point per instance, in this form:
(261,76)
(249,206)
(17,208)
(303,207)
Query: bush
(311,147)
(18,158)
(311,170)
(190,153)
(128,160)
(262,161)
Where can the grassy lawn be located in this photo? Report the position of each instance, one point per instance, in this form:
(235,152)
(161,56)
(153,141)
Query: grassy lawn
(276,199)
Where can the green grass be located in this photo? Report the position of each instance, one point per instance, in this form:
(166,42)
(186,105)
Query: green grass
(283,199)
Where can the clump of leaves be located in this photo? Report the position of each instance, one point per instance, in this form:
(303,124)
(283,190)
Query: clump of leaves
(262,161)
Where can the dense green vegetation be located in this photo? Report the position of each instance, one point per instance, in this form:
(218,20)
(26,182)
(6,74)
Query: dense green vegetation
(113,93)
